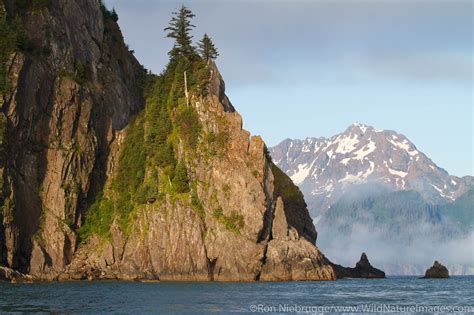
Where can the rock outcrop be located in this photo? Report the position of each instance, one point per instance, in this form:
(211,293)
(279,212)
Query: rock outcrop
(96,186)
(363,269)
(251,222)
(437,271)
(72,87)
(8,274)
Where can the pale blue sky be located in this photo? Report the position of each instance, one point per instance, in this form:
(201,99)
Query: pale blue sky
(297,69)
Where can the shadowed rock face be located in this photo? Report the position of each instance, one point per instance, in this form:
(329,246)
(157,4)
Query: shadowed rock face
(437,271)
(67,98)
(8,274)
(67,114)
(363,269)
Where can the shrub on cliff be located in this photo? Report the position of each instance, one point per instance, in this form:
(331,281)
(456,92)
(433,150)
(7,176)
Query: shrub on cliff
(9,40)
(189,127)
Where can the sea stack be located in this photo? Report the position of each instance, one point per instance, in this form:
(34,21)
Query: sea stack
(363,269)
(437,271)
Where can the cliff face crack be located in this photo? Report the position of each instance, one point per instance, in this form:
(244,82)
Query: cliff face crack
(211,265)
(263,261)
(268,216)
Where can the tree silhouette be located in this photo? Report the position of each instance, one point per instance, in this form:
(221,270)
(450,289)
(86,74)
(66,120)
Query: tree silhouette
(179,28)
(207,49)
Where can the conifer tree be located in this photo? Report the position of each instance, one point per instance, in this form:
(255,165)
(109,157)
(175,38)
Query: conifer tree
(207,49)
(179,28)
(180,179)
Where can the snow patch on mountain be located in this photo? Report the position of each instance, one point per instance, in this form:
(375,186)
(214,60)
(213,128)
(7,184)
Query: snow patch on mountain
(360,177)
(397,173)
(442,192)
(326,168)
(301,173)
(346,144)
(365,151)
(404,145)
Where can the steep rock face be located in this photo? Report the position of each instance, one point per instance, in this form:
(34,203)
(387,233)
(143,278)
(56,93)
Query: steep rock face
(68,113)
(170,239)
(69,92)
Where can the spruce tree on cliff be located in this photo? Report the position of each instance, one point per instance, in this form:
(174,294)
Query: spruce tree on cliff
(179,28)
(180,180)
(207,49)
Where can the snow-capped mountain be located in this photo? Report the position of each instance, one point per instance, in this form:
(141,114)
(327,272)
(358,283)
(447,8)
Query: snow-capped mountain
(373,190)
(324,168)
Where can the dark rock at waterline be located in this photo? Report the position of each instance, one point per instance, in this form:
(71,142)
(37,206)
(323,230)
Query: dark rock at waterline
(437,271)
(363,269)
(8,274)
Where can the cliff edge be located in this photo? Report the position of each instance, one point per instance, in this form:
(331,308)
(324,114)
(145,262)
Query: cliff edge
(110,173)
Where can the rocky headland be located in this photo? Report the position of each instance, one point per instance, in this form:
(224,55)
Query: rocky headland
(110,172)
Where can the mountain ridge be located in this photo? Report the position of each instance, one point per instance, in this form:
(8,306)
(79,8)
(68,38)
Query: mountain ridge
(323,166)
(370,190)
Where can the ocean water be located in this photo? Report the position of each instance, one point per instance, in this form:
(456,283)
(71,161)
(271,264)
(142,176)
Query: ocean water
(405,294)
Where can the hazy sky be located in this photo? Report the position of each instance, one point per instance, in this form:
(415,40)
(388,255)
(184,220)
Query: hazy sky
(297,69)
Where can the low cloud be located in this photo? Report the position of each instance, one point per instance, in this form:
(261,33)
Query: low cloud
(396,256)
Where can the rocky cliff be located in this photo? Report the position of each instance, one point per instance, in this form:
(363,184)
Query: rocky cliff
(71,85)
(112,173)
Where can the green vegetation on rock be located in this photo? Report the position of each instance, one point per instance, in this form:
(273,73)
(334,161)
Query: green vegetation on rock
(106,13)
(180,179)
(197,205)
(9,41)
(159,142)
(189,126)
(207,49)
(178,29)
(216,143)
(233,223)
(284,186)
(22,6)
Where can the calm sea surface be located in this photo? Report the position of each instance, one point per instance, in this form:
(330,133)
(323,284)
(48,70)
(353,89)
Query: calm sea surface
(257,297)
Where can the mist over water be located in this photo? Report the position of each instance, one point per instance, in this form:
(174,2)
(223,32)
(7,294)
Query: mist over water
(395,256)
(400,231)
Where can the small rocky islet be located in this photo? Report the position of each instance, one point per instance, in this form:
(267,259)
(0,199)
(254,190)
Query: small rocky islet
(363,269)
(437,271)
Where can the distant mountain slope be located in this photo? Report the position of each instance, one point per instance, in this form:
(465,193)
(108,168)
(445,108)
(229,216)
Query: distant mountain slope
(400,230)
(373,190)
(462,211)
(401,215)
(325,168)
